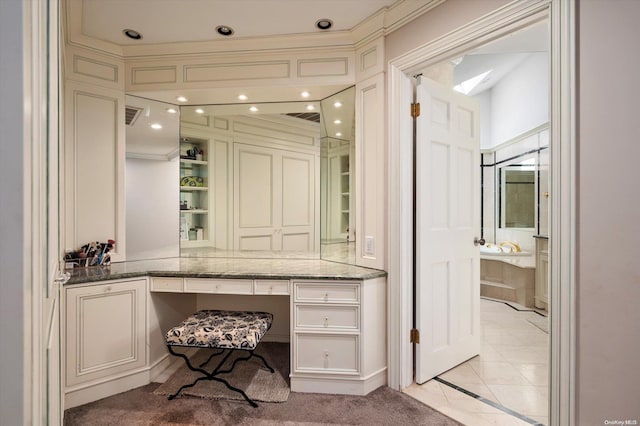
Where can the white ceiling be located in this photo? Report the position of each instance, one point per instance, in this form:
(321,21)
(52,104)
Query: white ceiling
(502,55)
(171,21)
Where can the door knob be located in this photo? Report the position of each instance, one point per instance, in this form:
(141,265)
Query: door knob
(478,241)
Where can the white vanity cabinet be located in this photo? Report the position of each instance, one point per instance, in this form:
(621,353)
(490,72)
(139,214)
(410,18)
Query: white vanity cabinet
(338,336)
(105,331)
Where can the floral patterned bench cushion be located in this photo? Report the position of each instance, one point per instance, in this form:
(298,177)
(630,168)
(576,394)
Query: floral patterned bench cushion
(221,329)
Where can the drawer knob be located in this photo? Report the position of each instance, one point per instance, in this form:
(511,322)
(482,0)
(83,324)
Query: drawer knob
(326,296)
(108,289)
(326,321)
(326,359)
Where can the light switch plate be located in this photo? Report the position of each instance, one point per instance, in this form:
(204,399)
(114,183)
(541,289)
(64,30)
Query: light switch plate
(369,246)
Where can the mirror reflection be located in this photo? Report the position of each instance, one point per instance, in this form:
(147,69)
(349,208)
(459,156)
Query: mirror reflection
(253,178)
(518,195)
(249,179)
(337,184)
(151,173)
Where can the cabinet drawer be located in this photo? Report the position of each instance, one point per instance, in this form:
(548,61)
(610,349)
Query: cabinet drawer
(326,353)
(166,284)
(273,287)
(327,293)
(218,286)
(327,317)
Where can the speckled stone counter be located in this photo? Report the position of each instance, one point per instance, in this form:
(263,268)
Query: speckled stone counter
(192,267)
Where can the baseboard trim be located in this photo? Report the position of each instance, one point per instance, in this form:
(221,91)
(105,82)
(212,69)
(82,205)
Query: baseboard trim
(338,385)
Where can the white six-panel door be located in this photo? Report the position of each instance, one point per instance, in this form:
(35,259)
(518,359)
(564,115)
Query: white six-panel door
(447,220)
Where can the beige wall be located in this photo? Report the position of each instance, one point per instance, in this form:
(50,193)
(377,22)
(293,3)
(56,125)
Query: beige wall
(608,286)
(443,19)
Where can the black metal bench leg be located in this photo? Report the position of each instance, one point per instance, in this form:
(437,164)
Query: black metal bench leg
(213,374)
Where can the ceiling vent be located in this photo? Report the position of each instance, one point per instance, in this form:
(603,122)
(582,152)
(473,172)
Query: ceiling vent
(309,116)
(131,114)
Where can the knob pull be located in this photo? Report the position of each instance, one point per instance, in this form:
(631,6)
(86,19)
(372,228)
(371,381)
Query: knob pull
(478,241)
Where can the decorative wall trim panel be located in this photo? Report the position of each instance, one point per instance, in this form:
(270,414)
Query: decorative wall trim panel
(264,131)
(323,67)
(154,75)
(368,59)
(221,123)
(202,121)
(96,69)
(236,71)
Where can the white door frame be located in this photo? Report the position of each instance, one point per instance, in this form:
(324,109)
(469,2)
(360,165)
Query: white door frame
(515,15)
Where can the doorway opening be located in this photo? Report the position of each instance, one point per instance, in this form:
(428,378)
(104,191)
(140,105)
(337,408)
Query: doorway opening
(510,81)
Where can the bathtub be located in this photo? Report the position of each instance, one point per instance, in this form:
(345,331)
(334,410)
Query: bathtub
(508,276)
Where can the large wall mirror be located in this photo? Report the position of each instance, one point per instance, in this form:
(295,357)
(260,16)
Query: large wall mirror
(151,173)
(248,180)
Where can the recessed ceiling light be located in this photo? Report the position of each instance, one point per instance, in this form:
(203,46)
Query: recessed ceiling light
(132,34)
(310,107)
(337,121)
(199,111)
(305,94)
(224,30)
(338,134)
(337,104)
(156,126)
(243,97)
(181,99)
(324,24)
(172,110)
(253,109)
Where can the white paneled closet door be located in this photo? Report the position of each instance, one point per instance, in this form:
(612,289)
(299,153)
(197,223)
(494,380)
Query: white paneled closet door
(447,221)
(274,205)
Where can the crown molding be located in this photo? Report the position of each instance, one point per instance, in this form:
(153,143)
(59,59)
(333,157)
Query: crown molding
(389,19)
(72,31)
(381,23)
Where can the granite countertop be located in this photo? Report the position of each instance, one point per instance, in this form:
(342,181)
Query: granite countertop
(216,267)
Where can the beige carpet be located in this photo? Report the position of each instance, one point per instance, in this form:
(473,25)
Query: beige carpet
(143,407)
(251,376)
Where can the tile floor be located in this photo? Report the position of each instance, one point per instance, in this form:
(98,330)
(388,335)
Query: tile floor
(512,370)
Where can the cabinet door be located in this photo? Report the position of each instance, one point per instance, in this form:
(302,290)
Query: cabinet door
(105,330)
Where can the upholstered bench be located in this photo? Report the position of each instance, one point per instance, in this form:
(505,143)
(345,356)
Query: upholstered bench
(226,331)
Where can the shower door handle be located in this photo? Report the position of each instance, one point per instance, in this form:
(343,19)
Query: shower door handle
(478,241)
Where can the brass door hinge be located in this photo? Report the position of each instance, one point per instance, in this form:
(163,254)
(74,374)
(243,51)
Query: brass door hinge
(415,110)
(414,336)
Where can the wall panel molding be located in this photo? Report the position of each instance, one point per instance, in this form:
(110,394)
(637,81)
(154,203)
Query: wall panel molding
(370,175)
(89,67)
(96,69)
(325,67)
(236,71)
(94,166)
(154,75)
